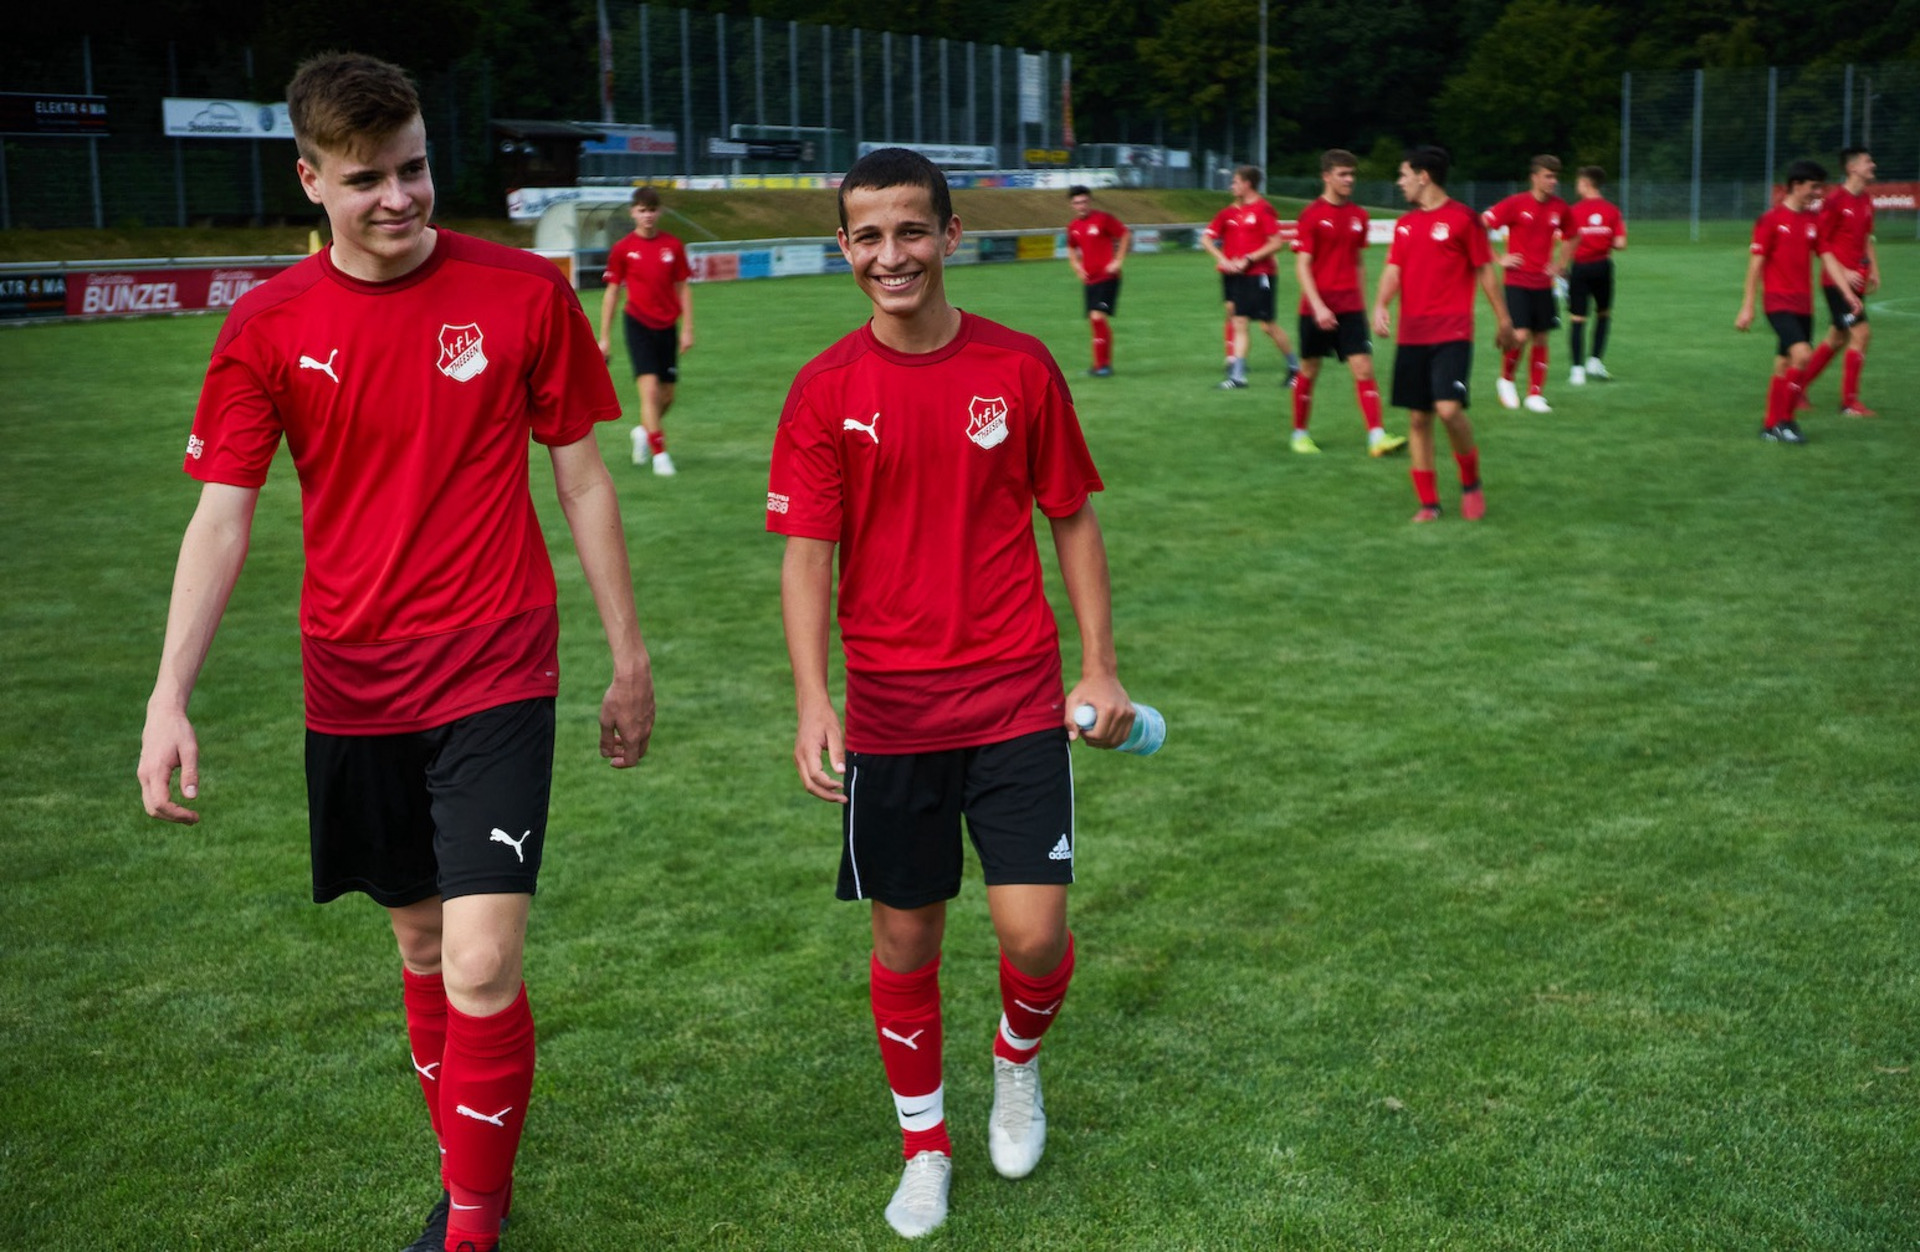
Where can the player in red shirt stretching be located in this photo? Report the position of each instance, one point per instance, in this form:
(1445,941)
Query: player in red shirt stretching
(1242,239)
(650,266)
(1534,220)
(1097,244)
(1333,314)
(1439,254)
(918,446)
(1785,242)
(1595,231)
(406,367)
(1846,227)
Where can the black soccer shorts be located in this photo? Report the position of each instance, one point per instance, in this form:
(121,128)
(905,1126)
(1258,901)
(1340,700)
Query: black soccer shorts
(1843,317)
(653,351)
(1790,329)
(1425,374)
(1590,279)
(1104,296)
(1250,294)
(458,810)
(900,827)
(1351,337)
(1533,309)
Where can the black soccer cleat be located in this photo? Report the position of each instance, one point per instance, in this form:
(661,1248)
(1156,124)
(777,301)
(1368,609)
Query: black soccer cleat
(433,1237)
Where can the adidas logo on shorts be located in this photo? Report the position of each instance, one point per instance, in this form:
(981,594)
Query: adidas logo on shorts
(1062,851)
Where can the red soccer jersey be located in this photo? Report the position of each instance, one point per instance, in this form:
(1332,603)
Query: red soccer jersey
(650,268)
(925,470)
(1533,229)
(1331,235)
(1596,227)
(1239,229)
(1439,252)
(1096,236)
(1846,223)
(407,407)
(1788,240)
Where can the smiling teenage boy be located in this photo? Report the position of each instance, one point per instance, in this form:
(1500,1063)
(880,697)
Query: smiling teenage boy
(406,367)
(918,447)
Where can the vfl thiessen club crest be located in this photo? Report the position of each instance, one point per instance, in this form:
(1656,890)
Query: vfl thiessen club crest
(462,355)
(987,421)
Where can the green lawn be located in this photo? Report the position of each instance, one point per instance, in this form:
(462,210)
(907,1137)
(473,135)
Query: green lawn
(1540,883)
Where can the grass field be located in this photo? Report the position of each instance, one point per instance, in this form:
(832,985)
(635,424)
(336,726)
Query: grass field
(1541,883)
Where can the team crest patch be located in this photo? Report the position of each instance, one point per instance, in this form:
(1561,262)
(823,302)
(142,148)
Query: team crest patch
(987,421)
(462,354)
(1439,232)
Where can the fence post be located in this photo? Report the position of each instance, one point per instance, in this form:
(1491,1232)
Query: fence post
(1846,111)
(726,131)
(93,144)
(686,90)
(946,97)
(793,77)
(179,158)
(1773,99)
(973,95)
(996,106)
(759,79)
(1699,118)
(859,114)
(646,73)
(1626,141)
(919,93)
(826,98)
(886,85)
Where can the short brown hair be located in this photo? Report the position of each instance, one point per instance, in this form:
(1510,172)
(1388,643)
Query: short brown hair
(1595,175)
(1338,159)
(344,101)
(898,167)
(645,198)
(1544,162)
(1250,174)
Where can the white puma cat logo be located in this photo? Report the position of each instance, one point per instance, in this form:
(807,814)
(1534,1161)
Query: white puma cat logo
(476,1115)
(1046,1012)
(501,836)
(909,1041)
(870,429)
(426,1071)
(325,367)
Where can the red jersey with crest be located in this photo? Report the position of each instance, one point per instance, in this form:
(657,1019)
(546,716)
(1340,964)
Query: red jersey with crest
(1331,237)
(407,407)
(1239,229)
(1788,240)
(1439,252)
(1596,227)
(1096,237)
(925,470)
(1846,224)
(650,268)
(1533,231)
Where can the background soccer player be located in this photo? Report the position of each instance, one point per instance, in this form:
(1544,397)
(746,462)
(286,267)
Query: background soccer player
(650,266)
(1333,319)
(427,617)
(1242,240)
(1533,220)
(1439,254)
(1595,231)
(1785,242)
(1097,244)
(1846,228)
(918,446)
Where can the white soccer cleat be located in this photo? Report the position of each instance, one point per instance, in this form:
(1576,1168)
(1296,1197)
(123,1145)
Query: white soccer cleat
(1508,393)
(641,449)
(920,1201)
(1017,1127)
(1577,377)
(663,465)
(1537,403)
(1595,369)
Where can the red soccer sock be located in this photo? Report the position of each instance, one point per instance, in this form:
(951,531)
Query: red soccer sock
(1822,353)
(1426,488)
(906,1014)
(1778,400)
(1849,377)
(1302,401)
(657,440)
(1796,391)
(425,998)
(484,1085)
(1028,1006)
(1537,367)
(1229,338)
(1369,393)
(1509,362)
(1102,343)
(1469,463)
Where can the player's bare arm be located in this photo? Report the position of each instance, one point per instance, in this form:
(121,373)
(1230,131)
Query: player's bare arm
(806,606)
(1744,319)
(1221,261)
(609,307)
(1847,281)
(1083,567)
(1504,336)
(684,290)
(592,508)
(1303,270)
(212,553)
(1389,290)
(1074,259)
(1873,267)
(1120,253)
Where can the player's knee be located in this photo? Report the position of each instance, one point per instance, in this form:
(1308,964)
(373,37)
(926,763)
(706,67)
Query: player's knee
(1036,949)
(483,967)
(1861,334)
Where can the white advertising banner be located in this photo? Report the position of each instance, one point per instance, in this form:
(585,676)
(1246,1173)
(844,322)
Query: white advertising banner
(224,119)
(943,154)
(1033,87)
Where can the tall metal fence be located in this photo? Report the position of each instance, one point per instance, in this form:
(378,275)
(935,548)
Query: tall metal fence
(1708,146)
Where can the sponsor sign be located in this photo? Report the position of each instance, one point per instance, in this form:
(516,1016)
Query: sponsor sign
(115,293)
(943,154)
(185,118)
(714,267)
(33,295)
(1049,156)
(635,140)
(526,204)
(1035,247)
(1885,196)
(43,113)
(800,259)
(761,149)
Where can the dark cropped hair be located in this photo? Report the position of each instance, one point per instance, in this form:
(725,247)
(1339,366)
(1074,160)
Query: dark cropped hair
(347,103)
(1595,175)
(1430,159)
(1338,159)
(1806,172)
(898,167)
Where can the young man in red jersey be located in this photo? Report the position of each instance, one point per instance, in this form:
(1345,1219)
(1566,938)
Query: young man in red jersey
(918,446)
(406,367)
(1534,220)
(1786,241)
(1242,239)
(650,266)
(1333,318)
(1097,244)
(1594,232)
(1846,229)
(1438,256)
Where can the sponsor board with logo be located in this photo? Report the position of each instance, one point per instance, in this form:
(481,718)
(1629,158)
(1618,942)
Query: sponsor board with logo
(33,295)
(46,113)
(185,118)
(132,292)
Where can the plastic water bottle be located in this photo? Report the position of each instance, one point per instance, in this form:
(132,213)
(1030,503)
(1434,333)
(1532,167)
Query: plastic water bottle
(1148,733)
